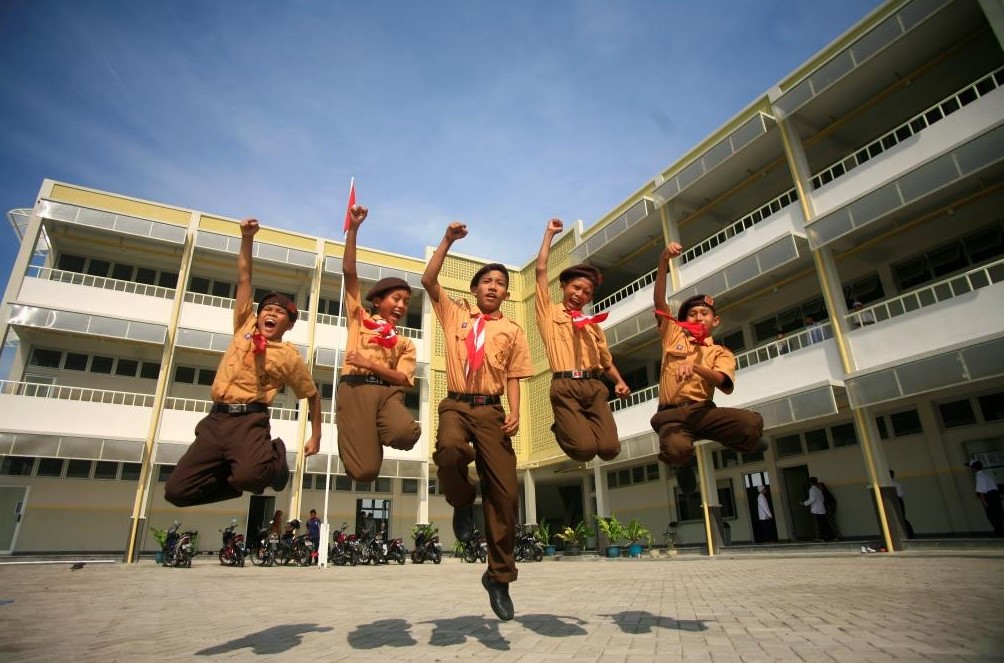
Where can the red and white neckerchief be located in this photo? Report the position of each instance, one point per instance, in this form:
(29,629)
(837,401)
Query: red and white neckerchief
(258,343)
(386,335)
(696,330)
(475,346)
(580,320)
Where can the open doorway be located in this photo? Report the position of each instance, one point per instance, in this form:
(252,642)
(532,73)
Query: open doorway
(762,513)
(796,490)
(260,512)
(373,516)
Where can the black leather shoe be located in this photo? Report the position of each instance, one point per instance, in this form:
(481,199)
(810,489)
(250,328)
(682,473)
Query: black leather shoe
(282,477)
(463,522)
(686,479)
(498,596)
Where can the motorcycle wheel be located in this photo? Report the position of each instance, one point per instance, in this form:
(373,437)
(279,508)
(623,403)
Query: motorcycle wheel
(400,557)
(257,556)
(168,559)
(437,557)
(416,558)
(469,556)
(518,555)
(224,560)
(538,555)
(482,556)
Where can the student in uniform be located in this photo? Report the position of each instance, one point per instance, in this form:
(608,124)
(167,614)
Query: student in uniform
(486,354)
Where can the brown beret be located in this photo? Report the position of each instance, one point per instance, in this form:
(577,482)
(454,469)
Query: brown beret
(387,285)
(581,271)
(696,300)
(283,301)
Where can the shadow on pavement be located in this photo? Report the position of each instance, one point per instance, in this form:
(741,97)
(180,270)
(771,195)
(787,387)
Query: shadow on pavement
(642,621)
(275,640)
(447,632)
(554,626)
(382,633)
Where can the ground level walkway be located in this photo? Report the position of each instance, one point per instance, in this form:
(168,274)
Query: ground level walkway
(930,605)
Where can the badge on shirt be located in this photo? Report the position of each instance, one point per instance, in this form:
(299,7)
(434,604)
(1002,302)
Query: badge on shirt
(679,346)
(463,325)
(247,336)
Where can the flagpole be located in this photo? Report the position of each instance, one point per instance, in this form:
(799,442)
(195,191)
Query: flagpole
(322,554)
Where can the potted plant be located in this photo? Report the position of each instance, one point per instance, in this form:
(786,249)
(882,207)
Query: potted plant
(614,531)
(161,536)
(635,532)
(543,532)
(575,537)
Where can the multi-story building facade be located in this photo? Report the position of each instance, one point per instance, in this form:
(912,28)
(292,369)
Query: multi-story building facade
(872,174)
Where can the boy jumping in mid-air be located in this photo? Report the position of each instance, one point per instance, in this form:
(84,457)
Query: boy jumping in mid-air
(233,449)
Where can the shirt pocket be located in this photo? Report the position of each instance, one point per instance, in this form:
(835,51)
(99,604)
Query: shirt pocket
(498,350)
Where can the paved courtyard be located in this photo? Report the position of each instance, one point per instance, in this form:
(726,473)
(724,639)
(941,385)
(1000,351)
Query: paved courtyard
(944,606)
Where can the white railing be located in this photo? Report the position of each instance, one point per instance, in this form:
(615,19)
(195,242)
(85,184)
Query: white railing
(635,398)
(794,343)
(626,291)
(209,300)
(911,127)
(201,406)
(102,282)
(339,321)
(83,394)
(953,286)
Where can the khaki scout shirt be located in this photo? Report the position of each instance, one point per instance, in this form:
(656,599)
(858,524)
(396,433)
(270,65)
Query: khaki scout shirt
(244,377)
(401,356)
(507,354)
(568,348)
(678,347)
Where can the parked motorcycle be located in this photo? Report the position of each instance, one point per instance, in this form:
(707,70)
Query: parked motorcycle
(179,547)
(396,551)
(263,548)
(232,553)
(374,550)
(475,549)
(528,546)
(294,548)
(427,546)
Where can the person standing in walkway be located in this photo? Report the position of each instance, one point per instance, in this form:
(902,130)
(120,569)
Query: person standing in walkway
(379,366)
(989,496)
(902,505)
(817,508)
(579,357)
(486,354)
(764,515)
(815,330)
(314,531)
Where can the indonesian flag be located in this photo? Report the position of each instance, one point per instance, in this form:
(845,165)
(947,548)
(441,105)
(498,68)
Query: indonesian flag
(352,203)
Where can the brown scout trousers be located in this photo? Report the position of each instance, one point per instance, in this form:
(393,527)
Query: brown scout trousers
(679,426)
(231,453)
(370,417)
(495,461)
(583,423)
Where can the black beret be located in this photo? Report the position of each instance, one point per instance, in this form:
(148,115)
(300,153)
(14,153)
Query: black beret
(387,285)
(581,271)
(283,301)
(696,300)
(491,267)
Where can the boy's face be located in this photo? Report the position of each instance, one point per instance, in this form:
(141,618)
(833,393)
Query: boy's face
(393,306)
(703,315)
(491,290)
(273,322)
(576,293)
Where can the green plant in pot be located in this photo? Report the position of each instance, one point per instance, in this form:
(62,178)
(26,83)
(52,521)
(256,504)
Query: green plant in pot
(161,536)
(614,531)
(575,537)
(635,532)
(543,533)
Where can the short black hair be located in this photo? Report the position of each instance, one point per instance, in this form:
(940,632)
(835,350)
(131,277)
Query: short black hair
(490,267)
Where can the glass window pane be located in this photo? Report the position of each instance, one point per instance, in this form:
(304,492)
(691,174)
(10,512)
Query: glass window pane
(184,375)
(146,275)
(78,469)
(652,472)
(46,358)
(199,285)
(168,280)
(382,485)
(127,367)
(638,474)
(49,467)
(17,466)
(906,423)
(342,482)
(105,469)
(206,376)
(611,479)
(409,486)
(163,472)
(75,361)
(363,487)
(815,440)
(98,267)
(150,370)
(130,471)
(844,435)
(957,413)
(71,263)
(624,478)
(122,272)
(308,481)
(101,365)
(881,425)
(788,445)
(992,406)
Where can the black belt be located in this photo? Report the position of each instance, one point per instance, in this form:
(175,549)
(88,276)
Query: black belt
(577,375)
(239,408)
(673,406)
(364,379)
(474,399)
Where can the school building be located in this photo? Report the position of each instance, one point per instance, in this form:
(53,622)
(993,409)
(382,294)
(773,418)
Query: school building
(874,173)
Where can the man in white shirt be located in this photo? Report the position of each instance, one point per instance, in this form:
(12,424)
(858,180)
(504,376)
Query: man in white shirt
(818,510)
(764,515)
(990,497)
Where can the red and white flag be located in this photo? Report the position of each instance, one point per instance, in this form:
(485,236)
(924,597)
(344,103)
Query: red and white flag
(352,203)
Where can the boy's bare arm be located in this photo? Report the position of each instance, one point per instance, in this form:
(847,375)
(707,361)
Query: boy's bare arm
(659,291)
(430,278)
(554,226)
(511,424)
(357,215)
(243,294)
(313,445)
(620,387)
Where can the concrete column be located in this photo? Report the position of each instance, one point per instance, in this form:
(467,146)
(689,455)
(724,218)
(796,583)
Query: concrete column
(529,497)
(713,525)
(941,460)
(422,511)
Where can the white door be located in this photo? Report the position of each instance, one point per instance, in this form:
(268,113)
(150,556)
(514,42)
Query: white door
(12,506)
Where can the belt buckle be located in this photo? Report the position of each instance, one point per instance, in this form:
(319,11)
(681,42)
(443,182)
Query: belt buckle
(237,408)
(372,379)
(578,374)
(480,400)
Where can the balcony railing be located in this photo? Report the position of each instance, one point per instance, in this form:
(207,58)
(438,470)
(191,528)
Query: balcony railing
(635,398)
(202,407)
(794,343)
(953,286)
(105,283)
(625,292)
(68,393)
(911,127)
(339,321)
(209,300)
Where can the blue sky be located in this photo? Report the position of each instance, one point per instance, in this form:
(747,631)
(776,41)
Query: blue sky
(500,114)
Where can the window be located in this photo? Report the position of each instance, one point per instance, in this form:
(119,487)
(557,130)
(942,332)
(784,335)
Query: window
(815,440)
(122,272)
(130,471)
(638,474)
(611,479)
(730,458)
(49,467)
(382,485)
(101,365)
(308,481)
(433,487)
(726,498)
(71,263)
(17,466)
(146,275)
(788,445)
(163,472)
(75,361)
(624,478)
(326,389)
(734,341)
(223,289)
(992,406)
(168,280)
(199,285)
(652,472)
(206,376)
(957,413)
(126,368)
(844,435)
(409,486)
(864,290)
(105,469)
(150,370)
(906,423)
(78,469)
(184,374)
(342,482)
(46,358)
(883,430)
(752,457)
(98,267)
(363,487)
